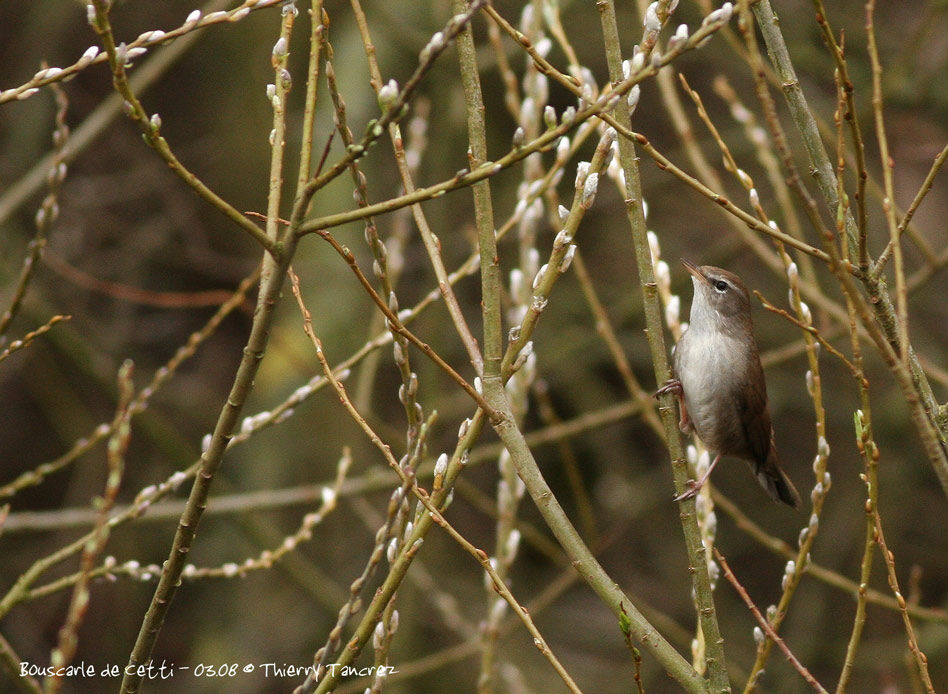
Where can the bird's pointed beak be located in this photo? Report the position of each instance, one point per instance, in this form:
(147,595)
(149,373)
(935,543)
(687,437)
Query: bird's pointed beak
(695,272)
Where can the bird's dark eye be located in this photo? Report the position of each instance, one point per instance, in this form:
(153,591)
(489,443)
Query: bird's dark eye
(720,285)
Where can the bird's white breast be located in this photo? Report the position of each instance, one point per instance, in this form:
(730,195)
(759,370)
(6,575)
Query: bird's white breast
(712,369)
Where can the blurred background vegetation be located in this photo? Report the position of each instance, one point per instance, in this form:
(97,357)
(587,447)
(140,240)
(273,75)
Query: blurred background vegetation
(127,223)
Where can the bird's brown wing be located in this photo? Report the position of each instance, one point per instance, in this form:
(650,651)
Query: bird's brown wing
(759,436)
(755,416)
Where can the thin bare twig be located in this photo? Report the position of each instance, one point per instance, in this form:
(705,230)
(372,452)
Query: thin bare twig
(765,625)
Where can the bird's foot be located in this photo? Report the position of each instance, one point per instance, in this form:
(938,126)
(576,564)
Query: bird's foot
(672,385)
(695,487)
(692,491)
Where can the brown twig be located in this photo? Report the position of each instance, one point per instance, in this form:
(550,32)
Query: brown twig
(764,624)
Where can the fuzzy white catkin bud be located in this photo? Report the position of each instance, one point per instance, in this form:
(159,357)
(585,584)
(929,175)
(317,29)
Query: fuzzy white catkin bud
(48,73)
(562,150)
(711,523)
(740,113)
(539,276)
(589,189)
(805,311)
(638,61)
(543,47)
(657,58)
(653,245)
(704,460)
(89,55)
(393,622)
(792,272)
(378,635)
(633,97)
(388,94)
(563,213)
(549,116)
(497,611)
(541,83)
(722,14)
(516,282)
(663,274)
(567,258)
(651,21)
(526,18)
(528,110)
(328,496)
(437,41)
(533,261)
(672,309)
(512,544)
(582,171)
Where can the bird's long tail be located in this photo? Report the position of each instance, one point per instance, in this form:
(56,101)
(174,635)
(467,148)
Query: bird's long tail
(773,479)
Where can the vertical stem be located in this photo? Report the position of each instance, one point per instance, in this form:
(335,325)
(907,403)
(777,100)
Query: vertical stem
(580,555)
(888,201)
(210,462)
(319,24)
(912,381)
(271,283)
(697,554)
(483,208)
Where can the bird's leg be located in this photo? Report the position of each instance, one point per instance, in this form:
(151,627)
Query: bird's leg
(673,385)
(695,487)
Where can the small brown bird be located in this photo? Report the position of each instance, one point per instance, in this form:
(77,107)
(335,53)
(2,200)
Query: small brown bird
(720,383)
